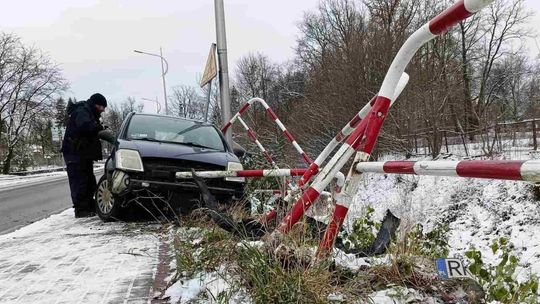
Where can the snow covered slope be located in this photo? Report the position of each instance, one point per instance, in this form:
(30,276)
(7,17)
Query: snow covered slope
(477,211)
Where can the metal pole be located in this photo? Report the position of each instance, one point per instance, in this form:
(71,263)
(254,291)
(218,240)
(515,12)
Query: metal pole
(163,73)
(223,66)
(164,70)
(208,101)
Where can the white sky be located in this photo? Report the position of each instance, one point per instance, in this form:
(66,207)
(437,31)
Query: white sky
(93,40)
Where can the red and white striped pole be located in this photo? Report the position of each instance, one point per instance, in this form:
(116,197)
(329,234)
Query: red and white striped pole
(492,169)
(243,173)
(253,137)
(363,138)
(274,117)
(342,135)
(346,131)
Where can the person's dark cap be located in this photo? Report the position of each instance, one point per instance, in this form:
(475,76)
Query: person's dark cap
(98,99)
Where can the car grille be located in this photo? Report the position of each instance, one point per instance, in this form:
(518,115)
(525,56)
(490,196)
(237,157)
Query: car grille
(165,169)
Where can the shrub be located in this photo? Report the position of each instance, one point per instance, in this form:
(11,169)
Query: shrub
(499,282)
(364,231)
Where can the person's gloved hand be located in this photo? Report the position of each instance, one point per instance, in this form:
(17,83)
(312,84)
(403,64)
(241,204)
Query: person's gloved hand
(107,135)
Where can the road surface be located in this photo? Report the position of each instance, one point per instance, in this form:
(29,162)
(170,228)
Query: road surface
(27,203)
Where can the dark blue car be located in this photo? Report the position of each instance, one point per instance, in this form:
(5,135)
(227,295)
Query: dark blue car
(147,153)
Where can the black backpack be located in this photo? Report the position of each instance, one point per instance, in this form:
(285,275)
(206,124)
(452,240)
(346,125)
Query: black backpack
(72,106)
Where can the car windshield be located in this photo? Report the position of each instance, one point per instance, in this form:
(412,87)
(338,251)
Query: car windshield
(173,130)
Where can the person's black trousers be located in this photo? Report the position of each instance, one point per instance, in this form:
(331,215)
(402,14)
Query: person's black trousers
(82,184)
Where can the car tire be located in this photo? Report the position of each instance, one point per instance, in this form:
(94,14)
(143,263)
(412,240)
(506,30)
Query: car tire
(107,205)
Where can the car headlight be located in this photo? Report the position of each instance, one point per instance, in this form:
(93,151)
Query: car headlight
(129,160)
(235,167)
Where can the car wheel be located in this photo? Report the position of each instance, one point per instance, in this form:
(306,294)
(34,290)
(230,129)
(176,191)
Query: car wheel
(107,205)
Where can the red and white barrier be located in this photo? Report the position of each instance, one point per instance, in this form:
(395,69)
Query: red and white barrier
(243,173)
(280,193)
(253,137)
(364,137)
(360,136)
(493,169)
(346,131)
(274,117)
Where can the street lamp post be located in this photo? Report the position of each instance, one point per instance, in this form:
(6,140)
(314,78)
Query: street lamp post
(224,93)
(164,70)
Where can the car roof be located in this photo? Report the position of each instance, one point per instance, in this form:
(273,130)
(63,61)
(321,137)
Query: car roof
(174,117)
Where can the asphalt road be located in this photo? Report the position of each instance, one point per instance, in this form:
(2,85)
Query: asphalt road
(29,203)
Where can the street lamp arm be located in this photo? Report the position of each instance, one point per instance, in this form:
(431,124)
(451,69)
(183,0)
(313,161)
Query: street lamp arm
(156,55)
(166,65)
(151,54)
(164,70)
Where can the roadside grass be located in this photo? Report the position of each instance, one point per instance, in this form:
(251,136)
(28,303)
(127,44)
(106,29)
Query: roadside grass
(287,274)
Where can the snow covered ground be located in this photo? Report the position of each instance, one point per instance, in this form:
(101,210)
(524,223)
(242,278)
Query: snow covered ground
(66,260)
(11,181)
(477,211)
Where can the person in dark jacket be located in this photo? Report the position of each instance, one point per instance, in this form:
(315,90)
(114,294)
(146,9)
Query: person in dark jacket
(80,148)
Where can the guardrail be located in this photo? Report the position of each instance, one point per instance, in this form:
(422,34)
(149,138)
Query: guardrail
(253,136)
(360,135)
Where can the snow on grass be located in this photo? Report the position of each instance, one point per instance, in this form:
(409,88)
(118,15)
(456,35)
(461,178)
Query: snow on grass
(209,285)
(398,295)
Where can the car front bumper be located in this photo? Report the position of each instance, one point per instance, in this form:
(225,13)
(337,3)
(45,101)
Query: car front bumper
(185,186)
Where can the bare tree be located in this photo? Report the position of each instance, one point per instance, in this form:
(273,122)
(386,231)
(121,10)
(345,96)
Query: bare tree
(186,102)
(255,75)
(130,105)
(28,91)
(113,117)
(486,40)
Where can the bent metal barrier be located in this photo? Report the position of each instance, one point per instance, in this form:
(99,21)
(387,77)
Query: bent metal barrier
(360,136)
(493,169)
(363,138)
(253,136)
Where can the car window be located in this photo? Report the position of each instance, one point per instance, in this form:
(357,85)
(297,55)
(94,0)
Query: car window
(167,129)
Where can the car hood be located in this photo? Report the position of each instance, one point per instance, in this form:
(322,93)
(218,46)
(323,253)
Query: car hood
(178,151)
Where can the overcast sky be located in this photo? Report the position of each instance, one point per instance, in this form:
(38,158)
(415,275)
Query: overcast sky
(93,40)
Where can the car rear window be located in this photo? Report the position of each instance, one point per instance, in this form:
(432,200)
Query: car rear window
(173,130)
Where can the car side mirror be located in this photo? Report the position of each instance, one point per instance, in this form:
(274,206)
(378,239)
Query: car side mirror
(240,152)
